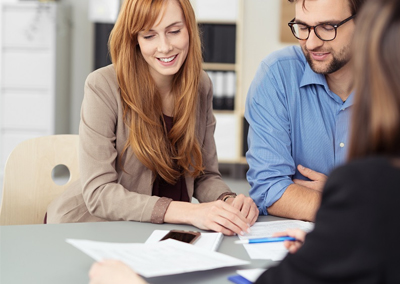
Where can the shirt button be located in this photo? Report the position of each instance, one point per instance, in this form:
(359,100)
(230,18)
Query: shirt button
(341,145)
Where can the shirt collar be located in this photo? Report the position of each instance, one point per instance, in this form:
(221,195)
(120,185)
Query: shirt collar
(312,78)
(349,101)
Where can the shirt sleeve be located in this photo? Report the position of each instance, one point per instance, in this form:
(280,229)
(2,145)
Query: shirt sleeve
(342,248)
(271,165)
(160,209)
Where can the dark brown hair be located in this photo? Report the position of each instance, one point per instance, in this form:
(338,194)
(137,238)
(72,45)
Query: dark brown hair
(376,111)
(355,5)
(142,102)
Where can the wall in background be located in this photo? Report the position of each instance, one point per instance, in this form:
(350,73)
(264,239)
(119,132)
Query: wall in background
(82,36)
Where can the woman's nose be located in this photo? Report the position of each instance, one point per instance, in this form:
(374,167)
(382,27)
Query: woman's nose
(164,45)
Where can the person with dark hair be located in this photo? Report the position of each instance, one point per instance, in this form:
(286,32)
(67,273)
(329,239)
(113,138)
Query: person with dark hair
(147,130)
(357,223)
(298,108)
(356,227)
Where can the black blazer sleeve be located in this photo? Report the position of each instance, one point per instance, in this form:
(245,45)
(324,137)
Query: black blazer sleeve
(348,243)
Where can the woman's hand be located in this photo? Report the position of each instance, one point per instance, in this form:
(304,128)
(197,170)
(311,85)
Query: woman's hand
(293,246)
(113,271)
(246,206)
(218,216)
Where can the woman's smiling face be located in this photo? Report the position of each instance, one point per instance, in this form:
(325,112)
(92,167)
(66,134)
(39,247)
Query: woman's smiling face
(165,45)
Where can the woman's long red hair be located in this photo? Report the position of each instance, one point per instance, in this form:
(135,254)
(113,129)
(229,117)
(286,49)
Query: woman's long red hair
(167,155)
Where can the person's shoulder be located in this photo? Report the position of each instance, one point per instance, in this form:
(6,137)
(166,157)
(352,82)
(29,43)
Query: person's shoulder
(205,81)
(103,75)
(290,55)
(205,84)
(102,83)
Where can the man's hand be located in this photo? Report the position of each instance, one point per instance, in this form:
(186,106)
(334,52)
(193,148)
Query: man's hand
(317,180)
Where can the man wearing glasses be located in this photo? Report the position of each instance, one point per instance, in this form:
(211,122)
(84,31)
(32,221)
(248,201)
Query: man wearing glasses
(298,107)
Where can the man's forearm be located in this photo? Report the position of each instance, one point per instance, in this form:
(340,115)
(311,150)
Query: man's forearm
(297,202)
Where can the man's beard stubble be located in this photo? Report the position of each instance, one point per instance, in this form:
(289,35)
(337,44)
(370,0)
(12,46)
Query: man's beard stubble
(336,63)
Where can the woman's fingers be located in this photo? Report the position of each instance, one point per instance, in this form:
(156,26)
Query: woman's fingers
(298,234)
(230,218)
(292,246)
(220,217)
(247,207)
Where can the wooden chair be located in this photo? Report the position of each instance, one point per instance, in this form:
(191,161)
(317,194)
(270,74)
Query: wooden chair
(28,186)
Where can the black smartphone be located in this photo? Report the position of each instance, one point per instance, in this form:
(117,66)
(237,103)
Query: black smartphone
(184,236)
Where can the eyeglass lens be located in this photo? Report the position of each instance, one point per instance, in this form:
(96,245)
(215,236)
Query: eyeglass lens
(324,31)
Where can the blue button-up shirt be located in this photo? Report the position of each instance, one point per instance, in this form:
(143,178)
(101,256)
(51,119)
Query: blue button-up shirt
(294,119)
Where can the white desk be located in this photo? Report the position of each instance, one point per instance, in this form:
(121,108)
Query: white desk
(38,254)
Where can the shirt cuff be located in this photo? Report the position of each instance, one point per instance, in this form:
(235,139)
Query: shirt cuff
(160,208)
(225,194)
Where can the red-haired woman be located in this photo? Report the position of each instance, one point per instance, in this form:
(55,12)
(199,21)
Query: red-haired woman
(146,132)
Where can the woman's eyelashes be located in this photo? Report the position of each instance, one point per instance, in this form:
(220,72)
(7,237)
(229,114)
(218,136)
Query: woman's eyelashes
(152,35)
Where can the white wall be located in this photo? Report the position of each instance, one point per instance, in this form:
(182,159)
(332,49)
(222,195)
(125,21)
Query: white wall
(82,56)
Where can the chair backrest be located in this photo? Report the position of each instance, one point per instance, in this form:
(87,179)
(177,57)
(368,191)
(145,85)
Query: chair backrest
(28,186)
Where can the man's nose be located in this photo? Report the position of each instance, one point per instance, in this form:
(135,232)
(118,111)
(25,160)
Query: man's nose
(313,41)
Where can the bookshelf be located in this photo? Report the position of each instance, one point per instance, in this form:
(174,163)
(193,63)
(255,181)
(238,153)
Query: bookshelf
(227,14)
(261,28)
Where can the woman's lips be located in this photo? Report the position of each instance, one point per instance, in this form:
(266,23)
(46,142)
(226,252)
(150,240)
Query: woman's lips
(167,60)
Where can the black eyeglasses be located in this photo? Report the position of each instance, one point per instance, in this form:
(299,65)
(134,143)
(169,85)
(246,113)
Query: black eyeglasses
(325,32)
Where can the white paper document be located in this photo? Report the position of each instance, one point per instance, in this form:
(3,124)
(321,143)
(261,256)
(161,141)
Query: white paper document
(209,241)
(274,251)
(157,259)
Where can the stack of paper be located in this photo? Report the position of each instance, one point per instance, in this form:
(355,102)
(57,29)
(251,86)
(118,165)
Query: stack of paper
(169,256)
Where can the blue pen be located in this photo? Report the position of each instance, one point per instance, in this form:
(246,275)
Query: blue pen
(266,240)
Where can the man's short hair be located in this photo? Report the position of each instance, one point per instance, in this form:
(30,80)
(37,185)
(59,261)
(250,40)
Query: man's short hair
(355,5)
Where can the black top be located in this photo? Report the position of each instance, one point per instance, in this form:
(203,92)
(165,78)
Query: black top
(161,188)
(357,230)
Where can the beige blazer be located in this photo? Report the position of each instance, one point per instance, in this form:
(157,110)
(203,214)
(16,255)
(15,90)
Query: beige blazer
(104,191)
